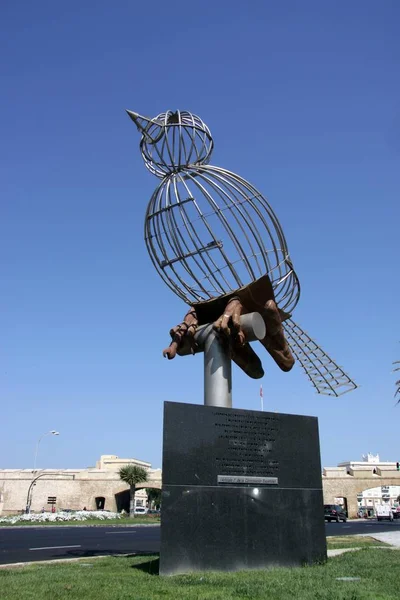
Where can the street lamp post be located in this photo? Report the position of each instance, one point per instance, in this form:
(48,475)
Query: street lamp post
(33,483)
(29,498)
(52,432)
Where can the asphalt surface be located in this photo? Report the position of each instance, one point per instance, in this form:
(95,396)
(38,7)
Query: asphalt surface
(362,526)
(49,543)
(28,544)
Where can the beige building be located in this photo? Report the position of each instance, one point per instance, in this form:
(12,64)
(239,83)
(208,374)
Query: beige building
(362,483)
(352,483)
(94,488)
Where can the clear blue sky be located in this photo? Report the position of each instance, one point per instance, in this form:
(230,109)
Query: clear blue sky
(303,100)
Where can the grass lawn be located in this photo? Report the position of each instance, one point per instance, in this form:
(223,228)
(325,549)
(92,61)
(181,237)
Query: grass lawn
(352,541)
(123,521)
(123,578)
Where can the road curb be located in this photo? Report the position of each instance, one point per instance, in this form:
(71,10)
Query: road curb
(338,551)
(68,560)
(39,526)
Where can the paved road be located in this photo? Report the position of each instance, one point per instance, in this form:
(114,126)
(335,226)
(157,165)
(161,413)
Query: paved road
(361,526)
(48,543)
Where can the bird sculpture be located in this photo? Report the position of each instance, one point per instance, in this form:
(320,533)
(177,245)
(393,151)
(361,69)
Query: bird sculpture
(216,242)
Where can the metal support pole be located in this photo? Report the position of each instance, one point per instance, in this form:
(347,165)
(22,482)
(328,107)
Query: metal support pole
(217,360)
(217,371)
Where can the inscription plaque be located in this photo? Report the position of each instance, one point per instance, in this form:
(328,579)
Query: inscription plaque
(241,490)
(250,440)
(244,479)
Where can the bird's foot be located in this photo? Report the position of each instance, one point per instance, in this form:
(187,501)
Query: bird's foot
(182,332)
(275,342)
(228,326)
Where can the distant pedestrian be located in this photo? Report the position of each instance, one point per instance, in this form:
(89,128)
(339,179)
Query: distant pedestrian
(43,509)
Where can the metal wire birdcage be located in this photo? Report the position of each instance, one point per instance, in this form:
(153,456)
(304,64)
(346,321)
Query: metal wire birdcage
(210,232)
(173,140)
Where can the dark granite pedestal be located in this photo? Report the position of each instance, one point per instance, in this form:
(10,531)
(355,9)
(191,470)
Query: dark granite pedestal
(241,490)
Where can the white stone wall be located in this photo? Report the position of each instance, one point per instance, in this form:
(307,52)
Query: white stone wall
(73,489)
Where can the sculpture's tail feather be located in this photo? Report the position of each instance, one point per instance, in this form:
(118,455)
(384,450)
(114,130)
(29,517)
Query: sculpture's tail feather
(325,375)
(397,392)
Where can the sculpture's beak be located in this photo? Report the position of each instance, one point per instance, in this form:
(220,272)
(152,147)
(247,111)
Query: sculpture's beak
(143,124)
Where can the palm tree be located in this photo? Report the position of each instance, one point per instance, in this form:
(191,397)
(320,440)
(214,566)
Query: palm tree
(132,474)
(154,497)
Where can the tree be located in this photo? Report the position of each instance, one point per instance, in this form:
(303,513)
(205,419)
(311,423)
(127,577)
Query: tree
(154,496)
(132,475)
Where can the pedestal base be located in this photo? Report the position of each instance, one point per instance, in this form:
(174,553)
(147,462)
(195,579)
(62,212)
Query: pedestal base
(241,490)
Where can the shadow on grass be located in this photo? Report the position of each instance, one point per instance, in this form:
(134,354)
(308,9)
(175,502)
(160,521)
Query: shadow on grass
(151,567)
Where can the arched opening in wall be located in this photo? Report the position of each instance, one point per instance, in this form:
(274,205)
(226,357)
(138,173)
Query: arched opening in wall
(122,501)
(380,502)
(100,502)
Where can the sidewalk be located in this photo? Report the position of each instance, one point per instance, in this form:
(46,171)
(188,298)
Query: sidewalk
(391,537)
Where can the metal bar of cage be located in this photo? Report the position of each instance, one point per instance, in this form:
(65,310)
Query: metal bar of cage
(325,375)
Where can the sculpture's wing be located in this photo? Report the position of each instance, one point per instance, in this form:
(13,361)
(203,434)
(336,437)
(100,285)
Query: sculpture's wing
(397,393)
(325,375)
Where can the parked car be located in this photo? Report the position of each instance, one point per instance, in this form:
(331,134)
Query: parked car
(140,510)
(396,512)
(335,512)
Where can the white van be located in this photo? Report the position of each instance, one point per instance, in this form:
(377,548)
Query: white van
(384,511)
(140,510)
